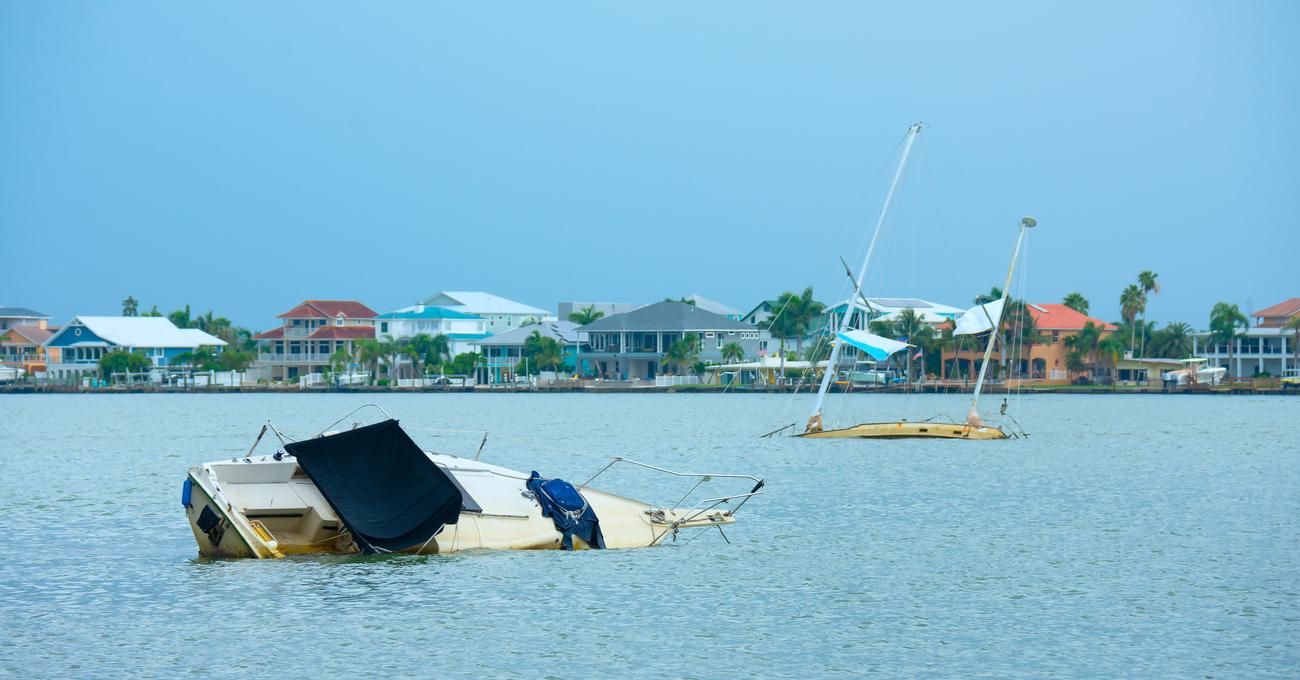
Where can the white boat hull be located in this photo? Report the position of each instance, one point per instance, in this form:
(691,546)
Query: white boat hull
(265,508)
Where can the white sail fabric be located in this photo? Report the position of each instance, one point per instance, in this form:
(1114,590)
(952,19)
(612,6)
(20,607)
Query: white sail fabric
(979,318)
(878,347)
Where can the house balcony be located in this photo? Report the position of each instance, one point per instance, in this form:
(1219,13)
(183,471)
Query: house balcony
(293,358)
(297,331)
(22,358)
(635,353)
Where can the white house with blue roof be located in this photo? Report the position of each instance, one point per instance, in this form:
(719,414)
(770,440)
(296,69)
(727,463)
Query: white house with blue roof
(85,339)
(500,314)
(463,330)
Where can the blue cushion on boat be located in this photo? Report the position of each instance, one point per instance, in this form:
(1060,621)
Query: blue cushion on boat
(569,511)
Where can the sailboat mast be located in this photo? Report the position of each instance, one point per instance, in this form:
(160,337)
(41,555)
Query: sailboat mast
(828,374)
(973,416)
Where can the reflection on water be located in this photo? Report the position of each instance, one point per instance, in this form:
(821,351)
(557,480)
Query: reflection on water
(1130,535)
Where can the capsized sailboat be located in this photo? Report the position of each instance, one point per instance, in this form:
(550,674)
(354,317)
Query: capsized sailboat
(371,489)
(987,317)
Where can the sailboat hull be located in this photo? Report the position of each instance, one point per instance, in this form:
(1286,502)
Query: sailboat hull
(906,430)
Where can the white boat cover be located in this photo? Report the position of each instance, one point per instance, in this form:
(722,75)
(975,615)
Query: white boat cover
(880,348)
(979,318)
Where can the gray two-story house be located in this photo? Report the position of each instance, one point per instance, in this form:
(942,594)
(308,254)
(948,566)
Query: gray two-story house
(632,345)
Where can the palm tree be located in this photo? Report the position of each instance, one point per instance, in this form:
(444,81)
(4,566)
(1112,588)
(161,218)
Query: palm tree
(913,327)
(994,293)
(684,352)
(1174,341)
(391,351)
(438,352)
(1135,329)
(1077,302)
(130,306)
(339,360)
(803,312)
(368,353)
(732,353)
(1225,319)
(1131,301)
(1147,280)
(1085,345)
(543,351)
(586,315)
(180,317)
(781,326)
(1109,349)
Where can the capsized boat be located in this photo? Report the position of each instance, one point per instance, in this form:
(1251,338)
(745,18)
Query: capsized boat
(371,489)
(986,317)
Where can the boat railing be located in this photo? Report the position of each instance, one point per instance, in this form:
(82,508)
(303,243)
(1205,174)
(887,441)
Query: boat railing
(701,506)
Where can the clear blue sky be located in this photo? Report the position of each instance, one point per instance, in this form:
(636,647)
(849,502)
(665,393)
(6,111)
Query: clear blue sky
(243,156)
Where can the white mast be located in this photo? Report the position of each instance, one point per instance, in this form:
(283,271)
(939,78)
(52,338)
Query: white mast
(857,283)
(973,416)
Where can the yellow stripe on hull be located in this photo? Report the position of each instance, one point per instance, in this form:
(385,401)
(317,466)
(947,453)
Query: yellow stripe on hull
(905,429)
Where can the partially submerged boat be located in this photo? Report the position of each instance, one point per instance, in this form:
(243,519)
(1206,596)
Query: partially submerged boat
(980,318)
(371,489)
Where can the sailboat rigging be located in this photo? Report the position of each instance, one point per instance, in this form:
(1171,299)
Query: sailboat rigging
(981,318)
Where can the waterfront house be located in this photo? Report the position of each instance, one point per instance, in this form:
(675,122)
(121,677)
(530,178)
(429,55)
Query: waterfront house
(23,347)
(85,339)
(1046,359)
(23,333)
(310,334)
(463,330)
(504,351)
(11,317)
(1278,315)
(1149,371)
(498,313)
(1266,348)
(633,344)
(760,313)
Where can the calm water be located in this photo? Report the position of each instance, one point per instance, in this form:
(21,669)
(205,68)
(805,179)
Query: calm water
(1129,536)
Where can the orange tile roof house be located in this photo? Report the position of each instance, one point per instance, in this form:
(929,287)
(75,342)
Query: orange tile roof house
(1278,315)
(310,333)
(1046,360)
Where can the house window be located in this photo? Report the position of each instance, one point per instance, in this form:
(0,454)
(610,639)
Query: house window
(338,321)
(383,327)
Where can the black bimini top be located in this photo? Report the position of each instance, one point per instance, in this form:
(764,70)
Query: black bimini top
(384,488)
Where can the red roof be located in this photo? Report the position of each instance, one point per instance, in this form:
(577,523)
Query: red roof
(1283,309)
(342,333)
(328,309)
(1057,317)
(273,334)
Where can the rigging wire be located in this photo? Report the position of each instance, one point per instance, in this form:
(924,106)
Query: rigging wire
(844,290)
